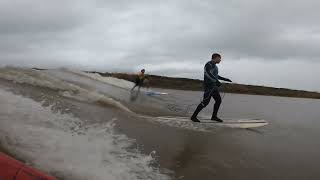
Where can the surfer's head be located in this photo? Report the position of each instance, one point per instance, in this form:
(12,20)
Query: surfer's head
(142,71)
(216,58)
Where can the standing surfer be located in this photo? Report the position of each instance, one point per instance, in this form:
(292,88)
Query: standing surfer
(140,79)
(211,83)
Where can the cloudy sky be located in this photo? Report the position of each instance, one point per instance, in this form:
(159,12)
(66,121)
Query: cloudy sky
(263,42)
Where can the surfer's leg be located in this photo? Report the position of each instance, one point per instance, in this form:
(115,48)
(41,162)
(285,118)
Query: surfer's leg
(134,87)
(137,83)
(216,96)
(203,104)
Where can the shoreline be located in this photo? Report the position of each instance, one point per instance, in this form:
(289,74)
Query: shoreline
(197,85)
(187,84)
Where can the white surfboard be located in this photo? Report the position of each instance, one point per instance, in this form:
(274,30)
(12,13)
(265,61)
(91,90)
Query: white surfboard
(155,93)
(232,123)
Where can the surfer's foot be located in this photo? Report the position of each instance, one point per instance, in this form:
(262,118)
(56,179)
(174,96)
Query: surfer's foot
(194,119)
(215,118)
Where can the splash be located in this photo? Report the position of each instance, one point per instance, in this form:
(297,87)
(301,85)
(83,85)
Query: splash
(61,145)
(46,80)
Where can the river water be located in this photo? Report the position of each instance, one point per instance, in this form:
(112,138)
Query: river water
(74,125)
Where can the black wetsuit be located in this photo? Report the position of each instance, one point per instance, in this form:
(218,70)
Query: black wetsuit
(139,81)
(211,83)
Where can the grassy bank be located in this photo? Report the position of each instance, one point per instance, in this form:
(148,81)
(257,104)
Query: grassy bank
(196,85)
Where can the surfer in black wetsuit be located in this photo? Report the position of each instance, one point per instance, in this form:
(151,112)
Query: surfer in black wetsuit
(140,78)
(211,83)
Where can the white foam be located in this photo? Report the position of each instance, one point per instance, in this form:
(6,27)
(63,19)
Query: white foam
(121,83)
(67,89)
(109,80)
(61,145)
(92,96)
(35,78)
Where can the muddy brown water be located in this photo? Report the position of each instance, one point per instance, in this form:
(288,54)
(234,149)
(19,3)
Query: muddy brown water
(288,148)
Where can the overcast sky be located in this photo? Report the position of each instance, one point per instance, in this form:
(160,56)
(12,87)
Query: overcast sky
(263,42)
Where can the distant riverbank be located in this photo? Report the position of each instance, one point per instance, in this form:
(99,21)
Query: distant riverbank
(196,85)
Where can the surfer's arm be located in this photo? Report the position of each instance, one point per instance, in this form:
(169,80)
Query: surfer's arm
(224,79)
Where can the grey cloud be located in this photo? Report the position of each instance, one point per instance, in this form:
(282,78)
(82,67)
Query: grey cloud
(36,16)
(124,35)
